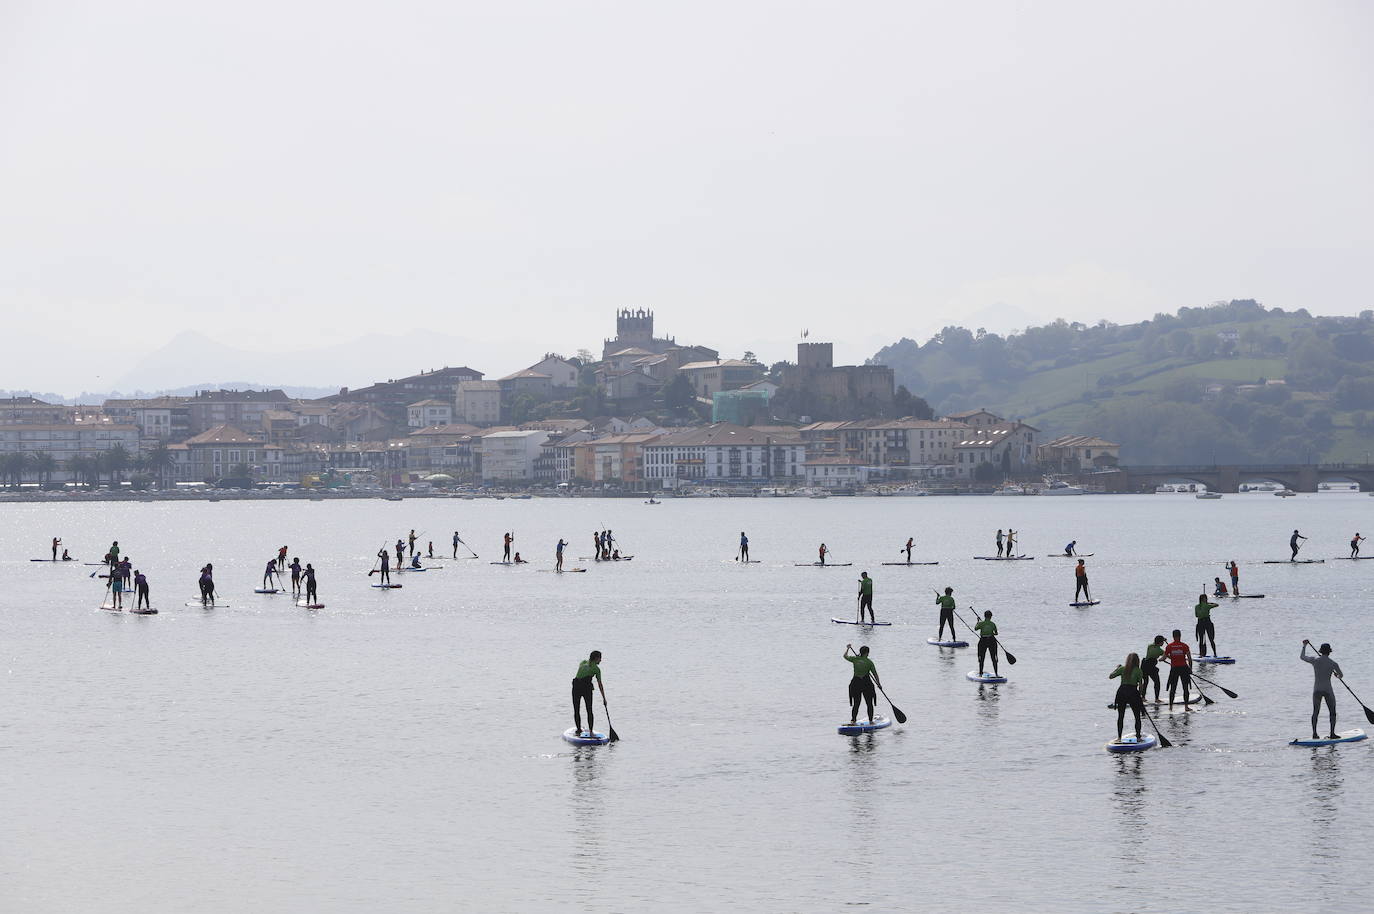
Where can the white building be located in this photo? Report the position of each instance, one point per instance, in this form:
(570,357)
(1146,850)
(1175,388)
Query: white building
(724,453)
(479,402)
(836,472)
(65,441)
(215,452)
(428,413)
(510,456)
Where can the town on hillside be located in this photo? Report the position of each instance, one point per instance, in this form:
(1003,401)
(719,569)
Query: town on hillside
(650,415)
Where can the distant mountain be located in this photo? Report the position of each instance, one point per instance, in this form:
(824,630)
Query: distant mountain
(1234,382)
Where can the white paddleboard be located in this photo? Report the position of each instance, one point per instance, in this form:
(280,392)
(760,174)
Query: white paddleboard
(1130,744)
(938,643)
(863,726)
(985,677)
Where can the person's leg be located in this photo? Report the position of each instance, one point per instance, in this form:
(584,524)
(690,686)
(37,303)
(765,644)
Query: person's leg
(1212,636)
(870,696)
(992,649)
(1120,715)
(1173,684)
(868,602)
(856,693)
(982,652)
(1200,633)
(1136,707)
(577,707)
(1316,711)
(1331,708)
(1187,677)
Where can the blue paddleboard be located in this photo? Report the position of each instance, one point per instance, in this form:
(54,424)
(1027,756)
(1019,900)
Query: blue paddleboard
(938,643)
(985,677)
(1345,736)
(863,726)
(580,738)
(1130,744)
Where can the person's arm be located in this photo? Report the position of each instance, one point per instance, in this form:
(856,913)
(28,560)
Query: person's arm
(1303,654)
(599,684)
(848,648)
(1337,670)
(1115,673)
(1212,605)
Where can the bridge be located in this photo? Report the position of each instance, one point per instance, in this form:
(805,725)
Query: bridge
(1301,477)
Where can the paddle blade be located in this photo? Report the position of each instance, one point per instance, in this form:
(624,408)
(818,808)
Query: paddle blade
(897,713)
(1163,740)
(1369,715)
(1011,658)
(1205,699)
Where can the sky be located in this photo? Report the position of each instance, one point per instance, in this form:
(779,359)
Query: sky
(478,183)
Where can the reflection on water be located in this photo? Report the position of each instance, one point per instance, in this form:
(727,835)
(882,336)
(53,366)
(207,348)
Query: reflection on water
(1129,789)
(586,807)
(988,700)
(1328,787)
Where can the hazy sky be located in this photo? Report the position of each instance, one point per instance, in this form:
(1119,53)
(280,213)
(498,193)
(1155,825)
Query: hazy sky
(281,176)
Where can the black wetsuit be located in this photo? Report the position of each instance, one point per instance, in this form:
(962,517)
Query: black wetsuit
(310,594)
(861,689)
(386,567)
(582,693)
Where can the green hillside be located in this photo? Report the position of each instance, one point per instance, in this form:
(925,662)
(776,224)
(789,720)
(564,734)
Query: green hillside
(1230,382)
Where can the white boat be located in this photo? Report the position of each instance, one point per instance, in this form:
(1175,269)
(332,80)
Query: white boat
(1059,487)
(1208,495)
(1160,490)
(1285,493)
(1014,490)
(819,495)
(914,492)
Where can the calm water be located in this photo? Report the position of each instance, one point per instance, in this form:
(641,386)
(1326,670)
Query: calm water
(400,751)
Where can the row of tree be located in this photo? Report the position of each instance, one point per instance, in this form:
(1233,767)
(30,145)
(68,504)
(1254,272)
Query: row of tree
(87,469)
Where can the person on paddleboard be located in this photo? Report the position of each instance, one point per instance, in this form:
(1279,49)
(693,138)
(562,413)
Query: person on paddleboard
(861,686)
(429,550)
(412,539)
(865,596)
(999,543)
(296,575)
(1069,549)
(1234,569)
(267,576)
(141,591)
(126,571)
(946,604)
(311,595)
(414,561)
(1150,665)
(1204,629)
(1322,668)
(1180,667)
(987,641)
(66,556)
(207,584)
(558,555)
(1128,693)
(400,553)
(116,591)
(743,547)
(57,542)
(1011,542)
(1293,544)
(385,570)
(113,555)
(1080,585)
(1355,545)
(1219,588)
(281,557)
(506,540)
(587,670)
(456,540)
(910,544)
(822,553)
(518,560)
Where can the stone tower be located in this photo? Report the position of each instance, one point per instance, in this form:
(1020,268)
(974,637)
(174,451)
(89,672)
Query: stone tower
(815,355)
(635,328)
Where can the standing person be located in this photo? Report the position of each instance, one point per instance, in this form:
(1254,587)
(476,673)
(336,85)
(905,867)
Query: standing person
(269,574)
(126,571)
(113,555)
(1150,665)
(1080,576)
(999,542)
(311,594)
(207,584)
(412,539)
(1204,628)
(1069,549)
(1354,545)
(558,563)
(987,641)
(1322,668)
(456,540)
(910,543)
(1219,588)
(607,543)
(1011,542)
(1180,667)
(281,557)
(400,553)
(1235,577)
(596,545)
(506,540)
(822,553)
(1128,693)
(946,604)
(116,591)
(1293,544)
(57,542)
(587,670)
(296,576)
(386,566)
(865,596)
(861,685)
(429,551)
(743,547)
(141,591)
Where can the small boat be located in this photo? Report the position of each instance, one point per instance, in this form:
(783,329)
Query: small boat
(1285,493)
(653,501)
(819,495)
(1059,487)
(1208,495)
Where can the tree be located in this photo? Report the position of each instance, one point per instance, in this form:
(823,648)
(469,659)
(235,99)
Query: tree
(158,461)
(749,356)
(116,460)
(905,403)
(678,394)
(12,467)
(43,465)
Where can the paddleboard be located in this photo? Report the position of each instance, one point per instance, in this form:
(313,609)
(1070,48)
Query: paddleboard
(214,605)
(1247,596)
(50,561)
(1339,558)
(1089,603)
(1214,658)
(404,570)
(984,677)
(1294,561)
(863,726)
(1076,555)
(1177,701)
(261,590)
(149,611)
(826,565)
(310,605)
(564,571)
(938,643)
(852,622)
(505,563)
(1131,744)
(1345,736)
(96,564)
(578,738)
(911,563)
(386,586)
(1005,558)
(748,561)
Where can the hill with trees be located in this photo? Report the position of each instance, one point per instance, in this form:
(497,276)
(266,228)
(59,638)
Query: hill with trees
(1232,382)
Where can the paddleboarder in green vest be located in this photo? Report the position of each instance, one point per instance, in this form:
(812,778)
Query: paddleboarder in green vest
(1128,693)
(1204,628)
(865,596)
(861,685)
(987,641)
(587,670)
(946,604)
(1150,665)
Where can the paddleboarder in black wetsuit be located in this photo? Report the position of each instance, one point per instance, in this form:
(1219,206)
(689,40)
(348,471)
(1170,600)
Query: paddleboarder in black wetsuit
(311,596)
(587,670)
(1322,668)
(743,547)
(141,591)
(910,543)
(506,540)
(400,553)
(1080,575)
(1355,545)
(865,596)
(412,539)
(1293,544)
(57,542)
(946,604)
(386,567)
(296,576)
(1180,659)
(861,685)
(207,584)
(456,540)
(987,641)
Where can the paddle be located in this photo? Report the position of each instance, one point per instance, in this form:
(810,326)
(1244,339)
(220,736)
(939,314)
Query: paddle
(1229,693)
(1201,694)
(610,731)
(1163,741)
(896,711)
(1011,658)
(1369,715)
(467,547)
(377,559)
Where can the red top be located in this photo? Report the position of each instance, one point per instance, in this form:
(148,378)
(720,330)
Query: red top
(1177,653)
